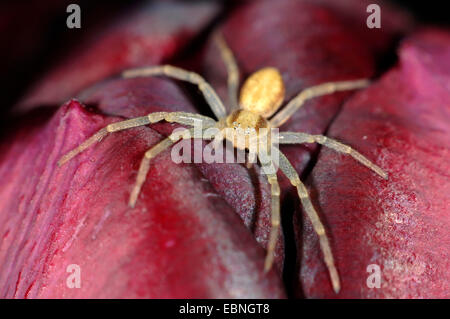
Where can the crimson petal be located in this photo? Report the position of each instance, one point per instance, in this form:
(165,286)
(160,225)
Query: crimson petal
(183,239)
(400,225)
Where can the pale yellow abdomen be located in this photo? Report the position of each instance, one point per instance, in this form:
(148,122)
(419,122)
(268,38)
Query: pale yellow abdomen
(263,92)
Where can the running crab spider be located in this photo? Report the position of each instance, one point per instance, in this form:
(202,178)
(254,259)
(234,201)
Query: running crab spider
(260,98)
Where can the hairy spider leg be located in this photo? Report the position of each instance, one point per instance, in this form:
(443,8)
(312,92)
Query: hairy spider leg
(270,172)
(322,89)
(177,117)
(299,138)
(154,151)
(210,95)
(287,168)
(232,70)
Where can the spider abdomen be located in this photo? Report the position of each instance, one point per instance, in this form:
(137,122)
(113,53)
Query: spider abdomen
(263,92)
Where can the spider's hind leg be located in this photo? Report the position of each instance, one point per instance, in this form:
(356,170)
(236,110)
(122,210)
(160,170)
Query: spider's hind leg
(314,91)
(232,69)
(209,94)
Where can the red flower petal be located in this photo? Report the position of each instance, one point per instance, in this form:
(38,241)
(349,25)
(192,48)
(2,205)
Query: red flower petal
(402,224)
(182,240)
(150,35)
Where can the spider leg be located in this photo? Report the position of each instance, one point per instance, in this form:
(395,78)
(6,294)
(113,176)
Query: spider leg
(177,117)
(314,91)
(291,173)
(248,163)
(154,151)
(173,72)
(275,213)
(299,138)
(232,69)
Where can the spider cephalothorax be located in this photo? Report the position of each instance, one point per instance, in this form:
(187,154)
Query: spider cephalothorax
(250,120)
(242,126)
(261,95)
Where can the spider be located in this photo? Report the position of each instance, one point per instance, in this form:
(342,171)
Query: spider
(260,98)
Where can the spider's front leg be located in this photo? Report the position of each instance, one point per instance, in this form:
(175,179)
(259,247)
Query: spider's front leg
(300,138)
(292,174)
(176,117)
(157,149)
(270,171)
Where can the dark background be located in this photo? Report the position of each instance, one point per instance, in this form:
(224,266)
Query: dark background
(32,38)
